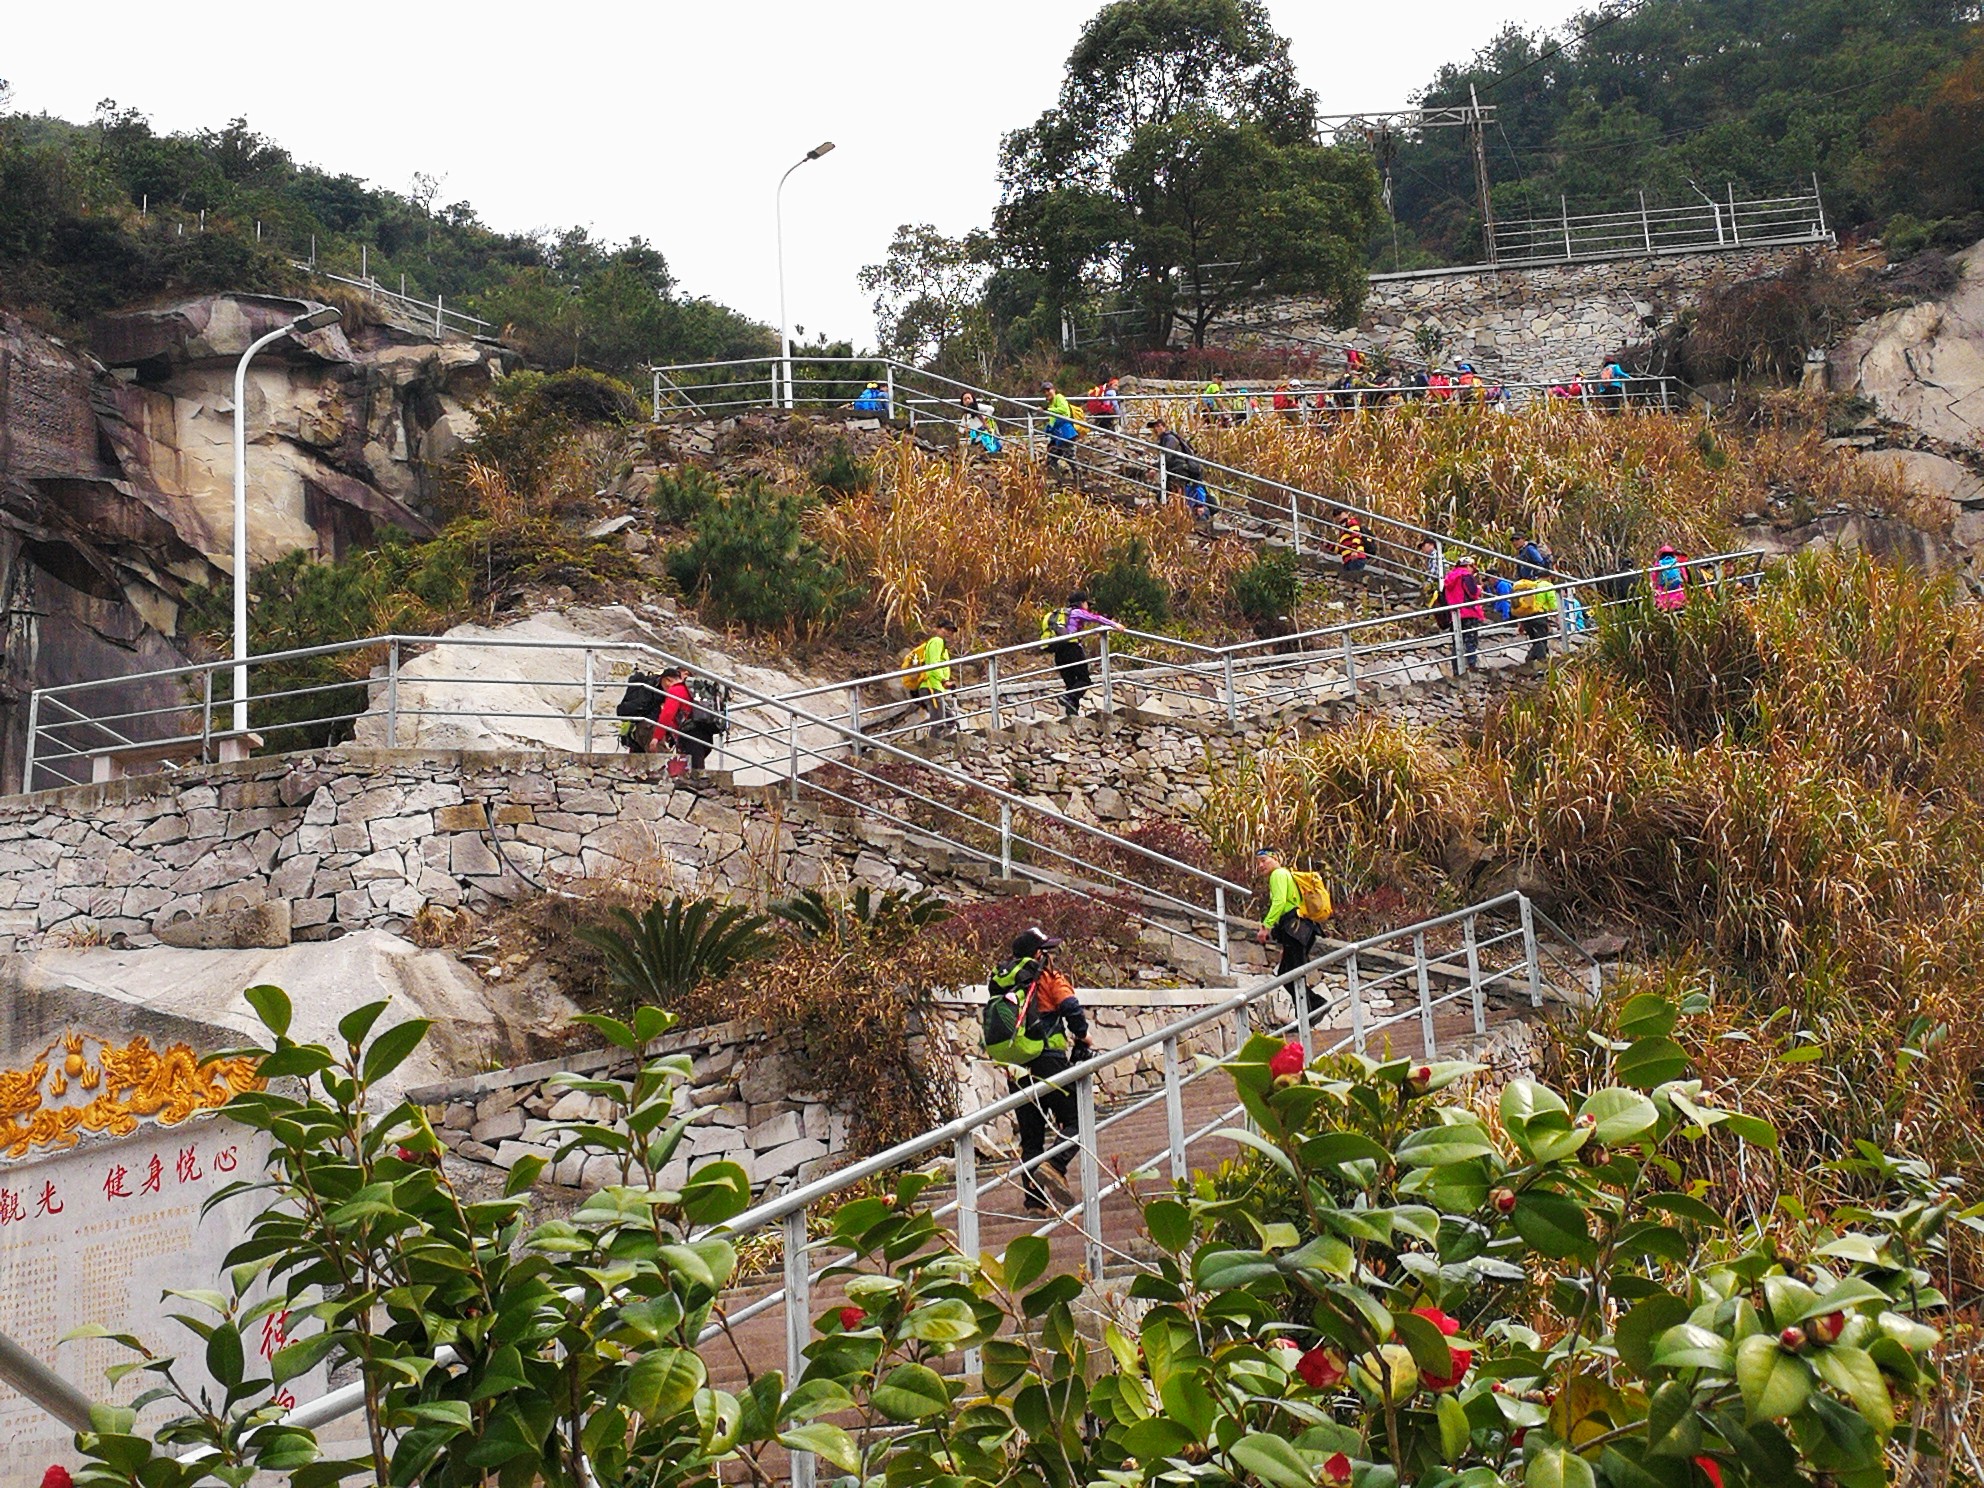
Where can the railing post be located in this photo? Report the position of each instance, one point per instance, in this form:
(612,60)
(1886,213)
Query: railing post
(393,694)
(1029,433)
(1295,523)
(992,693)
(1163,481)
(1735,232)
(798,1323)
(1108,682)
(589,700)
(1533,964)
(1225,948)
(1564,207)
(34,729)
(1350,663)
(657,396)
(1460,642)
(1091,1165)
(1232,700)
(966,1171)
(1356,1003)
(437,314)
(1005,839)
(1425,993)
(792,756)
(1646,227)
(890,398)
(854,709)
(207,719)
(1476,992)
(1174,1110)
(1298,997)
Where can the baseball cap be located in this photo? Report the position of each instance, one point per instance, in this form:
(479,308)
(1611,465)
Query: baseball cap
(1032,940)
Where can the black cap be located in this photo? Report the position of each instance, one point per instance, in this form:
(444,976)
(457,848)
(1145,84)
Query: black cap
(1032,940)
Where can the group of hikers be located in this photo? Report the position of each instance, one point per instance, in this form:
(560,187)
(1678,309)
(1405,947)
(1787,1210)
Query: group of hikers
(1035,1028)
(673,712)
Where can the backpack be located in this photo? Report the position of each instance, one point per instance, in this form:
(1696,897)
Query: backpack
(1003,1027)
(1523,605)
(1054,625)
(1312,895)
(709,701)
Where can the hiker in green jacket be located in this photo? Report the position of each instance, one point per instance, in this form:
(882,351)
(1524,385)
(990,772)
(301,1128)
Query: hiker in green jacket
(1283,924)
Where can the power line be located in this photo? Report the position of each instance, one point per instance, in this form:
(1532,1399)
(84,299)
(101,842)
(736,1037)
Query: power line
(1630,8)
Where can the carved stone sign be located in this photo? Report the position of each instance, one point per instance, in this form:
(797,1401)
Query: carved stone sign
(95,1228)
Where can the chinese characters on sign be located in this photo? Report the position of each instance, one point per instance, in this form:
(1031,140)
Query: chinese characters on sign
(190,1167)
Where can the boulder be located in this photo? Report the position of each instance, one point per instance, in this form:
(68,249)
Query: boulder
(263,926)
(1924,365)
(1930,474)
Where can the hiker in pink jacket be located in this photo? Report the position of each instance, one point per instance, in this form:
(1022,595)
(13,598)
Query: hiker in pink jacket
(1461,588)
(1669,578)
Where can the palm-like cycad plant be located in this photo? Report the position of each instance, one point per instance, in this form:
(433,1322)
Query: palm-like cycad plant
(668,950)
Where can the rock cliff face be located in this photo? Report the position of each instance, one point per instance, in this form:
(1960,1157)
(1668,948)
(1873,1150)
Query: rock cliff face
(116,473)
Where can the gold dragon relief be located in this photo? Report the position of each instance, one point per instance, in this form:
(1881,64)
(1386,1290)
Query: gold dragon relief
(82,1083)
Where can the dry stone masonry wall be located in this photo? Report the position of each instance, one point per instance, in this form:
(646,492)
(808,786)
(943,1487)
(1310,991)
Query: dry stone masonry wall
(1525,325)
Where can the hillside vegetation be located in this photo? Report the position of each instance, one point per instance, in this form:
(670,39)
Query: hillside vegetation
(1779,793)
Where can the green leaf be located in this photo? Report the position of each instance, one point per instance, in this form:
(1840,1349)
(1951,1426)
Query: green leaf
(1170,1225)
(1691,1346)
(1189,1403)
(1272,1460)
(664,1381)
(1855,1375)
(1557,1466)
(1437,1146)
(225,1360)
(1026,1259)
(911,1392)
(948,1320)
(1639,1329)
(354,1025)
(1851,1292)
(299,1061)
(1683,1207)
(1752,1129)
(301,1357)
(1621,1115)
(1333,1149)
(1775,1384)
(1430,1350)
(271,1005)
(1552,1224)
(1650,1062)
(1260,1144)
(391,1048)
(1648,1014)
(1455,1433)
(823,1439)
(715,1192)
(1524,1099)
(1155,1438)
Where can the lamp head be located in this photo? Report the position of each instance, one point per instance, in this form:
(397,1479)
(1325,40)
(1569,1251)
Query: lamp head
(820,149)
(316,319)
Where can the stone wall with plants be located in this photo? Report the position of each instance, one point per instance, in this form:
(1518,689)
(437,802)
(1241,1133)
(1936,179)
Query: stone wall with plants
(316,844)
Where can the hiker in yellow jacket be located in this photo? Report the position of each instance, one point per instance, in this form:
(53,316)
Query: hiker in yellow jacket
(1285,924)
(931,686)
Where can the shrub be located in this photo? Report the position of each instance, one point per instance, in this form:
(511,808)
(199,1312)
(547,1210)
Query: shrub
(894,915)
(1127,588)
(668,950)
(681,495)
(749,559)
(838,473)
(1266,589)
(586,396)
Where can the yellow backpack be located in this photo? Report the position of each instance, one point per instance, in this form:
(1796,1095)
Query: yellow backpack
(1312,895)
(1522,602)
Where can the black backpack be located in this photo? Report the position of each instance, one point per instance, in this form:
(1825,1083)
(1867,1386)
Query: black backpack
(642,699)
(709,702)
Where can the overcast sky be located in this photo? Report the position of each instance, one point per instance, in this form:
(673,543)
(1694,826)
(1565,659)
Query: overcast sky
(668,119)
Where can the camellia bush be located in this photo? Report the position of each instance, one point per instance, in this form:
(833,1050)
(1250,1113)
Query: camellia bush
(1406,1279)
(1395,1287)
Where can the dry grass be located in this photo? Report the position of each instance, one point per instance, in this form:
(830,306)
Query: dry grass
(939,538)
(1603,491)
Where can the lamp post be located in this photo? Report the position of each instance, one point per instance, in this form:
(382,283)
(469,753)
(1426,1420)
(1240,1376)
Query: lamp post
(778,216)
(312,321)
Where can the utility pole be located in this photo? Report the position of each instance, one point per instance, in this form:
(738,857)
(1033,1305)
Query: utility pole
(1481,172)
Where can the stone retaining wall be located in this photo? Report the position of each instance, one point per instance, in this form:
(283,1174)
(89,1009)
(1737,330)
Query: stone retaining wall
(1523,325)
(355,838)
(764,1107)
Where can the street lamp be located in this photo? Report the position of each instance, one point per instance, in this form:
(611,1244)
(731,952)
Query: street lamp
(778,214)
(314,320)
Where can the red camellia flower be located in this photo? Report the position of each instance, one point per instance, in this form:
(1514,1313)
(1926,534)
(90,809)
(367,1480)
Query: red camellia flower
(1336,1468)
(852,1317)
(57,1476)
(1322,1368)
(1289,1059)
(1461,1359)
(1711,1469)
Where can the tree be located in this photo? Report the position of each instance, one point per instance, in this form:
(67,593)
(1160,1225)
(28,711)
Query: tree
(929,296)
(1219,215)
(1182,141)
